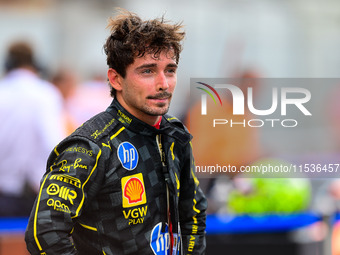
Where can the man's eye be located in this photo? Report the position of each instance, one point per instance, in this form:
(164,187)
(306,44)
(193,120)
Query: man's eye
(147,71)
(171,70)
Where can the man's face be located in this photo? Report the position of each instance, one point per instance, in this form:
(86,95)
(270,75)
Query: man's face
(147,88)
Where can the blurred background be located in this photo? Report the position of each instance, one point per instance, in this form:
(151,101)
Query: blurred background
(277,38)
(224,38)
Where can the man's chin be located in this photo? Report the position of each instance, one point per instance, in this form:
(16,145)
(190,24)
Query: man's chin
(159,111)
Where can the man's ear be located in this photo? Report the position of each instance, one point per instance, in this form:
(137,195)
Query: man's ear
(115,79)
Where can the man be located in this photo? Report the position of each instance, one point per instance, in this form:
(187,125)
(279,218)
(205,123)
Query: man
(124,183)
(31,125)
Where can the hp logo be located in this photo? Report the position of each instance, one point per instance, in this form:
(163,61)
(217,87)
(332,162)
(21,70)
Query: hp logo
(160,241)
(128,155)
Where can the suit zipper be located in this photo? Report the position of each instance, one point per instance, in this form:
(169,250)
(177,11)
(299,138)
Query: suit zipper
(174,236)
(162,154)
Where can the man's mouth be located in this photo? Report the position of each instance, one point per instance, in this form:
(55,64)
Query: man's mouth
(161,97)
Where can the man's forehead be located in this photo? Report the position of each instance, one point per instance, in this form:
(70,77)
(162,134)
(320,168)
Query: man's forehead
(167,57)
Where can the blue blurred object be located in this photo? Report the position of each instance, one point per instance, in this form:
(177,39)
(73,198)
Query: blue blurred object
(229,224)
(8,225)
(218,224)
(337,217)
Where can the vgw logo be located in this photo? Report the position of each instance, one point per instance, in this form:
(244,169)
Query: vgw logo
(160,241)
(128,155)
(238,104)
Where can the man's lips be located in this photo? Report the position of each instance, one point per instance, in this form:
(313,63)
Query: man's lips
(160,101)
(160,97)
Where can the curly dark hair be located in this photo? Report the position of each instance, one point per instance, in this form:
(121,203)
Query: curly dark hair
(132,37)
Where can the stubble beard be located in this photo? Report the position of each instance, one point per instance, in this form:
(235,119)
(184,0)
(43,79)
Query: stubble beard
(159,111)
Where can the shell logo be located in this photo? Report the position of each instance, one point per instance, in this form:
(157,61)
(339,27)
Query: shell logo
(133,190)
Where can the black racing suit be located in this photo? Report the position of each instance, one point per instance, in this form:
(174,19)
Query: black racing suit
(119,186)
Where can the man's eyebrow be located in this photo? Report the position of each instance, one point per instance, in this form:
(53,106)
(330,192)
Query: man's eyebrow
(151,65)
(172,65)
(146,66)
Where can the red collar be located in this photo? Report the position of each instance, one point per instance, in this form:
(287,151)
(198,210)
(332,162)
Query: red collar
(158,124)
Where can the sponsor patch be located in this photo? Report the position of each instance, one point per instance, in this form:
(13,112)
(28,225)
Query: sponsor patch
(133,190)
(123,118)
(58,206)
(64,166)
(53,189)
(66,179)
(160,241)
(127,155)
(63,192)
(97,133)
(136,215)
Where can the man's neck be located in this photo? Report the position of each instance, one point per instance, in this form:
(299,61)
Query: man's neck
(148,119)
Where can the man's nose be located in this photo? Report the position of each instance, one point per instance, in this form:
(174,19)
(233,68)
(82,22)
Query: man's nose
(162,82)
